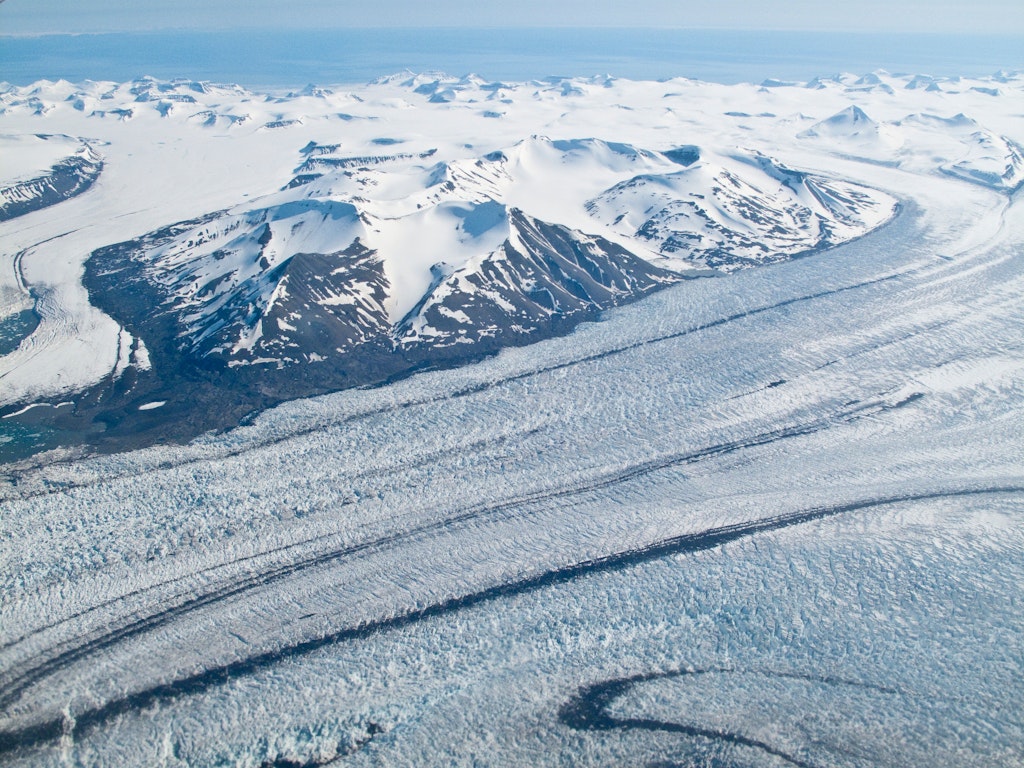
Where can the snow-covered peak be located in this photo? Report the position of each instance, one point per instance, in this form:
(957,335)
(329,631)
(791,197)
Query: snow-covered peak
(738,210)
(848,123)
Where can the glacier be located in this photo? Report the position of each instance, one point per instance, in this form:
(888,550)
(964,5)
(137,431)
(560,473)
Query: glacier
(768,517)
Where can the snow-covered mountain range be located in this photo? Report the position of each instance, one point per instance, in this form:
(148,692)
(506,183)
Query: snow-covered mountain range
(957,145)
(414,254)
(293,243)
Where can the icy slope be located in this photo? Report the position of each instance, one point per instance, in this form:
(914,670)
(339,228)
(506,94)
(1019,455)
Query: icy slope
(542,276)
(295,269)
(41,171)
(740,211)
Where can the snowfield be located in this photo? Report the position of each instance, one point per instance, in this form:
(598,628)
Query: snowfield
(769,516)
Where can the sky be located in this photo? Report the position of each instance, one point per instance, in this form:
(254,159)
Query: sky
(31,17)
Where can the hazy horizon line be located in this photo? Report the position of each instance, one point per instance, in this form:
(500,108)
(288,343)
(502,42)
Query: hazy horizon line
(517,28)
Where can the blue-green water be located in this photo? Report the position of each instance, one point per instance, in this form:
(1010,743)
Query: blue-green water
(292,58)
(16,327)
(19,441)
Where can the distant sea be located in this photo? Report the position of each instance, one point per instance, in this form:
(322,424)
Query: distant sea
(285,59)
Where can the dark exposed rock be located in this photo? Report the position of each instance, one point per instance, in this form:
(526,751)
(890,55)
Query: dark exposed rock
(67,178)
